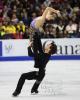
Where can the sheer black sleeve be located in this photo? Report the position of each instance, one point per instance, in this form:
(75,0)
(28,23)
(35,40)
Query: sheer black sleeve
(30,53)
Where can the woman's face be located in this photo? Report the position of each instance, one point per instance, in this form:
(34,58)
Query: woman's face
(50,16)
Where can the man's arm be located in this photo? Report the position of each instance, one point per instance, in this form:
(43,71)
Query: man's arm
(30,53)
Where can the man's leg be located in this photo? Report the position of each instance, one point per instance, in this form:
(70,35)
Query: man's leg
(38,81)
(29,76)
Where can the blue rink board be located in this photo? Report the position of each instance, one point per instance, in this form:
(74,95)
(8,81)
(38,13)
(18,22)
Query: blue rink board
(27,58)
(0,48)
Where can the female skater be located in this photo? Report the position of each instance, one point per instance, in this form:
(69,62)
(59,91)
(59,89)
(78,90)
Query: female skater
(48,14)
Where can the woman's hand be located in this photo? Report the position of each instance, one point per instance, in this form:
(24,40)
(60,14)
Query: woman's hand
(58,13)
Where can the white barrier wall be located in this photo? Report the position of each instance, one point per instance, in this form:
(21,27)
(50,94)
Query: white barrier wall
(14,47)
(19,47)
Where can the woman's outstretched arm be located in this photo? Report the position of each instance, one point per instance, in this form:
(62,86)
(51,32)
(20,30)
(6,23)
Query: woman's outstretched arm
(49,9)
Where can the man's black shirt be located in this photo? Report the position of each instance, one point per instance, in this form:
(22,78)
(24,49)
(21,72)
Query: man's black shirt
(41,59)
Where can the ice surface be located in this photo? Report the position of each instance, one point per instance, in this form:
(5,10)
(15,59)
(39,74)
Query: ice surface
(62,81)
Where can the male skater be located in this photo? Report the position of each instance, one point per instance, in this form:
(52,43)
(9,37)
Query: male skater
(41,58)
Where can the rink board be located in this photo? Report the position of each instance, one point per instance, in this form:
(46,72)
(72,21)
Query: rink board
(16,50)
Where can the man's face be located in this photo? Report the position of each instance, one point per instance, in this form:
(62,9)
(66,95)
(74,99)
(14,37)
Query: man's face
(48,48)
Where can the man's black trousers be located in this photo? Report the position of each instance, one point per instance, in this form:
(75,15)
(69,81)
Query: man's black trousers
(34,75)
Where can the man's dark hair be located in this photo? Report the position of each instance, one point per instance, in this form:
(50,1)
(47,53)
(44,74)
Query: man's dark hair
(53,48)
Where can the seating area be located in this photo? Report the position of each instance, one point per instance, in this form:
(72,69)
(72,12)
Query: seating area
(16,16)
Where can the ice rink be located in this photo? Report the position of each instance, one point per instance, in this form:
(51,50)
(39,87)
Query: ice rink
(62,81)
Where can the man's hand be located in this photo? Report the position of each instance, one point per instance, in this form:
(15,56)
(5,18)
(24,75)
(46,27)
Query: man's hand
(30,43)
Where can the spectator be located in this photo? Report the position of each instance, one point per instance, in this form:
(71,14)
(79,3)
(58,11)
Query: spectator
(5,25)
(1,4)
(1,30)
(71,29)
(14,18)
(1,14)
(42,8)
(5,11)
(8,29)
(21,27)
(27,10)
(25,19)
(11,28)
(50,32)
(60,29)
(18,34)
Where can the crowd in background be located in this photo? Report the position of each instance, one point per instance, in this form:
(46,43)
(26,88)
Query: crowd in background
(16,16)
